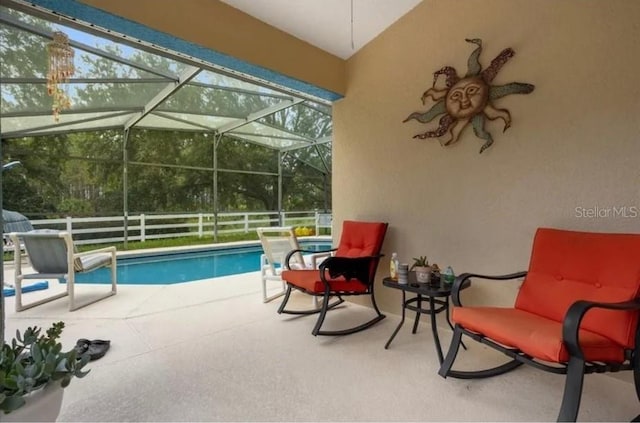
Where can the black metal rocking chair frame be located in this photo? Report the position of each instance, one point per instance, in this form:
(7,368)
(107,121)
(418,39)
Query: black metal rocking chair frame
(575,368)
(362,269)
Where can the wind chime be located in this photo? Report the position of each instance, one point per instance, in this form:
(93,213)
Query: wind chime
(60,69)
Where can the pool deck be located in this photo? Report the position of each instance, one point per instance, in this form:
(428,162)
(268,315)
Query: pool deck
(210,350)
(134,300)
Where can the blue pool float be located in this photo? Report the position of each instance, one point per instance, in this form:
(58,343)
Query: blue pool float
(10,292)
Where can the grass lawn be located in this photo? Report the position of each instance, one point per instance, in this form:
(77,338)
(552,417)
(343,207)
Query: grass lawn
(168,242)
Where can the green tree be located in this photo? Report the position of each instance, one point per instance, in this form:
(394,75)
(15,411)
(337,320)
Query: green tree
(168,171)
(33,188)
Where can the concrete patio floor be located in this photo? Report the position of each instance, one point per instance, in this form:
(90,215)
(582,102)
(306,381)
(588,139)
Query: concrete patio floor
(212,351)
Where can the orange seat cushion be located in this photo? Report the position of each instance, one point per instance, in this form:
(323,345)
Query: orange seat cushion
(309,280)
(534,335)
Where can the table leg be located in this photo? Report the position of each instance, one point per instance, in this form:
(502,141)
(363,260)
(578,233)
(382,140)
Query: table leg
(395,332)
(415,323)
(434,329)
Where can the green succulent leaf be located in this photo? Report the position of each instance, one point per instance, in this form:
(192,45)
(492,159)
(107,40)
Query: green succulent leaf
(65,381)
(36,352)
(12,403)
(32,360)
(420,261)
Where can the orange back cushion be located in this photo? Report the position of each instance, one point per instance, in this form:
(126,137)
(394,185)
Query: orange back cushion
(361,239)
(568,266)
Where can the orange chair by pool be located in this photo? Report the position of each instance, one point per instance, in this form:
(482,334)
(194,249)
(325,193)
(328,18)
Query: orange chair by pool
(351,271)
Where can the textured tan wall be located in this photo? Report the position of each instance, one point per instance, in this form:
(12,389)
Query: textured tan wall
(574,141)
(213,24)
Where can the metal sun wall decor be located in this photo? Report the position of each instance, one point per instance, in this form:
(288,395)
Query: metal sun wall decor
(468,99)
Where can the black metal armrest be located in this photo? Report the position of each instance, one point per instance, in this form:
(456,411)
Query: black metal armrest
(292,252)
(575,313)
(359,268)
(460,279)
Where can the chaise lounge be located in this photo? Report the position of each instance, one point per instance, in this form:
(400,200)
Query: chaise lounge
(52,255)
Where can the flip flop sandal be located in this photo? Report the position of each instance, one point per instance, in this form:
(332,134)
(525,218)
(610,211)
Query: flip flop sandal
(96,348)
(82,346)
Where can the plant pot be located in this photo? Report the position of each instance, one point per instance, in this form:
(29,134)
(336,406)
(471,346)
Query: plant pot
(423,274)
(43,405)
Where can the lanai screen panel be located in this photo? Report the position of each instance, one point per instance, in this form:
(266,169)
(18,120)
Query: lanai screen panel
(121,86)
(106,83)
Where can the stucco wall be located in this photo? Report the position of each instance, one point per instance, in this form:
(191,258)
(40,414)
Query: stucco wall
(574,142)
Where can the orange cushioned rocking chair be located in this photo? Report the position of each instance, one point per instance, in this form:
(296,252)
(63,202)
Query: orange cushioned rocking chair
(576,312)
(350,271)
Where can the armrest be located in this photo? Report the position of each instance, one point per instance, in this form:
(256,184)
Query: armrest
(460,279)
(111,250)
(314,252)
(349,267)
(575,313)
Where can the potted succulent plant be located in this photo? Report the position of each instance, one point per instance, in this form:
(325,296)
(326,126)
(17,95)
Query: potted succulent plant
(33,372)
(421,267)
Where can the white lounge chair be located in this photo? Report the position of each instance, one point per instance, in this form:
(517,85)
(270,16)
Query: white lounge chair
(13,222)
(277,242)
(52,256)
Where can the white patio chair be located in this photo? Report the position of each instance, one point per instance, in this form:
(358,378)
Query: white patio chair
(52,256)
(13,222)
(277,242)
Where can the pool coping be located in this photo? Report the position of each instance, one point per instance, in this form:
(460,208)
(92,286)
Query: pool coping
(150,252)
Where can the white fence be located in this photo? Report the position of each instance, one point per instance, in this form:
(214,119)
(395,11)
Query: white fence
(144,227)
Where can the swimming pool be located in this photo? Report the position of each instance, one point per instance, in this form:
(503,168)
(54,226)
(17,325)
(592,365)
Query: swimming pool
(178,267)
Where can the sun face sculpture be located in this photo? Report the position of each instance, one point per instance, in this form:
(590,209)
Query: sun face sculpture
(468,99)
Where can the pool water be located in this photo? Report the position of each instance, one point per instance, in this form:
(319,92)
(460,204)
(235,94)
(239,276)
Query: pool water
(184,267)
